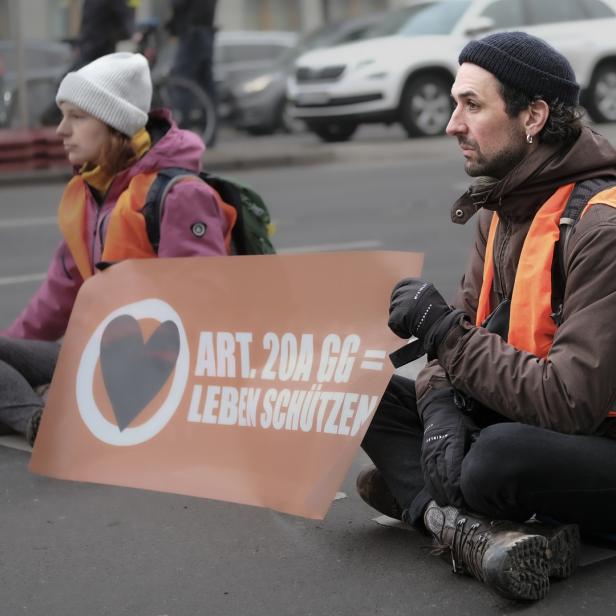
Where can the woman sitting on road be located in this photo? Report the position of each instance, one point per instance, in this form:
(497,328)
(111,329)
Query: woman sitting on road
(116,145)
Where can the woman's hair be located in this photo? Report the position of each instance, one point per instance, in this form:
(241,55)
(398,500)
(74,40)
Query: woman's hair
(118,153)
(563,125)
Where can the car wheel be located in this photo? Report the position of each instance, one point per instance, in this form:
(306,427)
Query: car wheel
(332,132)
(425,106)
(601,96)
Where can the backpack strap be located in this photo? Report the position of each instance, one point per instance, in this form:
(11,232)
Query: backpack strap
(155,200)
(167,178)
(581,194)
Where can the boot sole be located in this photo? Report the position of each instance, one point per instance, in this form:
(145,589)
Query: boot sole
(373,490)
(564,551)
(519,570)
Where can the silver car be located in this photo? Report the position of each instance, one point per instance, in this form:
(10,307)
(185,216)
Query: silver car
(406,78)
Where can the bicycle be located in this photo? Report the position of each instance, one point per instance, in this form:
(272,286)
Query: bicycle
(191,106)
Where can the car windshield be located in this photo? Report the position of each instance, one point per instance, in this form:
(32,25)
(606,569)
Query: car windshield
(330,34)
(337,33)
(435,18)
(393,21)
(320,37)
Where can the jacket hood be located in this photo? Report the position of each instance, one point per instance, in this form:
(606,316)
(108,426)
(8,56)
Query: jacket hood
(171,147)
(528,185)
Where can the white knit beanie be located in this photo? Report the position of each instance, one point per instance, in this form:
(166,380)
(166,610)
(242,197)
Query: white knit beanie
(116,89)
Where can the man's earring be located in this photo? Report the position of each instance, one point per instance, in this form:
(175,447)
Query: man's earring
(529,138)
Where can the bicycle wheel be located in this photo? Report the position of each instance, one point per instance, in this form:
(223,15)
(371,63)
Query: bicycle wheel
(191,105)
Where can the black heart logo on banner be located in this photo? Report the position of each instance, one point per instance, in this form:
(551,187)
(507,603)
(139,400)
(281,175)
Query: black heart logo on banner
(134,371)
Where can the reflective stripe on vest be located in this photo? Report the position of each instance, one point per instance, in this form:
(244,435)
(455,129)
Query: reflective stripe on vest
(531,327)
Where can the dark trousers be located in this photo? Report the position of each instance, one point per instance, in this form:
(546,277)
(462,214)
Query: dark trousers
(195,56)
(24,366)
(511,472)
(194,60)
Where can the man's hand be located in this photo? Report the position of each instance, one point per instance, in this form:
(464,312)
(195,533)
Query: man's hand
(448,435)
(418,309)
(415,307)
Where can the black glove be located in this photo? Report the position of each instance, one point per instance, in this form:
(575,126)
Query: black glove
(448,435)
(418,309)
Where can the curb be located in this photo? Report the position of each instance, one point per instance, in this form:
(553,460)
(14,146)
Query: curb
(213,161)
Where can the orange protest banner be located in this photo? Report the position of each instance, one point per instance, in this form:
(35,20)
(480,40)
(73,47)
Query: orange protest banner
(245,379)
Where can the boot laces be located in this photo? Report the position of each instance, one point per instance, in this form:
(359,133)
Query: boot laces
(468,547)
(466,540)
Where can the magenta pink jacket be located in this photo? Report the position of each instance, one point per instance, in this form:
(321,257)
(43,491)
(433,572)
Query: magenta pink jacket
(46,315)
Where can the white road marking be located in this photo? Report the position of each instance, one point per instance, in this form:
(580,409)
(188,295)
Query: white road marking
(22,279)
(366,244)
(11,223)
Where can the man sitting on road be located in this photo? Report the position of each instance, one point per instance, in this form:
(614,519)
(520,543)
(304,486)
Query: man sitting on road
(503,448)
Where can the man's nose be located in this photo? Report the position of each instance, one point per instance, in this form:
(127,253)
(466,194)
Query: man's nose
(455,125)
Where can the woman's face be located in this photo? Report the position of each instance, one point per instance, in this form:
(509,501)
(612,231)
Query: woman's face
(84,136)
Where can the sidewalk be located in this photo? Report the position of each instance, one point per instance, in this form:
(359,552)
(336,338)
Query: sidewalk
(230,155)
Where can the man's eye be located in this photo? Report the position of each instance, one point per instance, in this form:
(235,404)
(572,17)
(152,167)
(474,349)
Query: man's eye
(472,105)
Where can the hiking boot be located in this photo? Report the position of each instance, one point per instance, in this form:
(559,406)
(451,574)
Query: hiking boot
(373,490)
(501,554)
(33,426)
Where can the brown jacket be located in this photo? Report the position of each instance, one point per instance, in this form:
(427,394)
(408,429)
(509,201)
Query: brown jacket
(571,390)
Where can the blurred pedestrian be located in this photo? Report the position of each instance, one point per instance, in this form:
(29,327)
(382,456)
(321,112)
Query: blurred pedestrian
(104,23)
(513,419)
(116,146)
(192,22)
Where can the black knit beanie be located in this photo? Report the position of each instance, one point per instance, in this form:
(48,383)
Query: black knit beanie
(527,63)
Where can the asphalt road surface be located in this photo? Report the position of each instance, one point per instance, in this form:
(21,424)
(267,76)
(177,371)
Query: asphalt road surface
(72,549)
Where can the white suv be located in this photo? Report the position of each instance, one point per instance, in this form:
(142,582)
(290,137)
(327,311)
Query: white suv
(406,77)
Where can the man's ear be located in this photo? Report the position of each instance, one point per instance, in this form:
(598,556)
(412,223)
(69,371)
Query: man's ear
(537,115)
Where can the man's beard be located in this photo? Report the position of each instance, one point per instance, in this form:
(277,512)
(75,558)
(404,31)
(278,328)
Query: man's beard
(502,163)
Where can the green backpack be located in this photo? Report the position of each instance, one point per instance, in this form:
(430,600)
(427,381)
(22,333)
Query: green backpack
(253,227)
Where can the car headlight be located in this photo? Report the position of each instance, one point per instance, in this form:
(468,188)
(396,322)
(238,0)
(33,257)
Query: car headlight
(258,84)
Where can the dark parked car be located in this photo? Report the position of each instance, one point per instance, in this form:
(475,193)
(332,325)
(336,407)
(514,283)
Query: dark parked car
(239,54)
(259,102)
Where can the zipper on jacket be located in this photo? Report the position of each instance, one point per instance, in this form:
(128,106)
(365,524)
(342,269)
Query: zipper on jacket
(99,200)
(101,231)
(94,234)
(506,232)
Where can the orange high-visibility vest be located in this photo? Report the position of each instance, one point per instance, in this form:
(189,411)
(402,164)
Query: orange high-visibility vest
(531,327)
(126,236)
